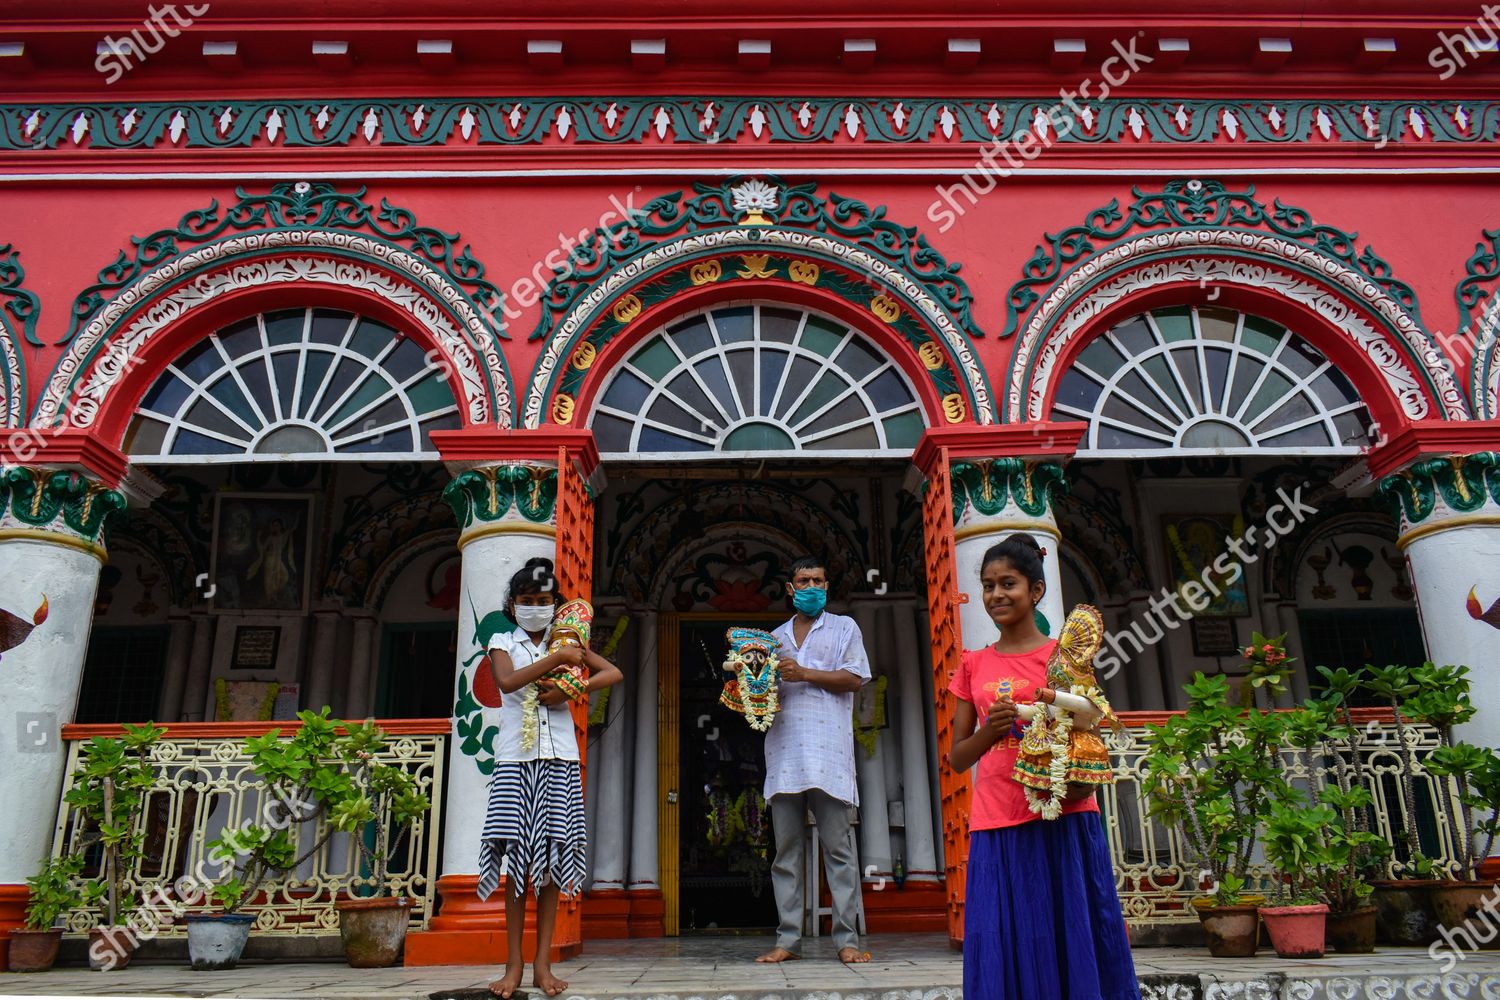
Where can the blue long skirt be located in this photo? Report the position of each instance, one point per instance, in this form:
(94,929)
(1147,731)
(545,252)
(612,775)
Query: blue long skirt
(1042,917)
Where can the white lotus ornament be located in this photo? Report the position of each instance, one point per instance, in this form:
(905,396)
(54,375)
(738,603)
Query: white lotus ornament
(754,199)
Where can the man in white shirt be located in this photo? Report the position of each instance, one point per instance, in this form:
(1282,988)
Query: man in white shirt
(810,760)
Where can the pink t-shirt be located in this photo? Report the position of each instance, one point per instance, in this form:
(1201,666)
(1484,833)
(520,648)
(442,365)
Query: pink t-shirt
(983,676)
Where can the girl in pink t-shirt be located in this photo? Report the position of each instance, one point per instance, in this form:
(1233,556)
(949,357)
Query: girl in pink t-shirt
(1041,912)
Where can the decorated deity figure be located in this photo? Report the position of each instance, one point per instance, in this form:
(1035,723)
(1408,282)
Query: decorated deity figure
(571,626)
(752,690)
(1060,746)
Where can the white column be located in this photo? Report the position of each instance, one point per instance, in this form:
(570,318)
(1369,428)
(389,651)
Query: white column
(320,668)
(51,549)
(874,813)
(916,796)
(607,759)
(195,698)
(179,647)
(1003,496)
(644,872)
(363,668)
(496,540)
(1450,534)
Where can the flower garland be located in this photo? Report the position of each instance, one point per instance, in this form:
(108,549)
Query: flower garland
(758,691)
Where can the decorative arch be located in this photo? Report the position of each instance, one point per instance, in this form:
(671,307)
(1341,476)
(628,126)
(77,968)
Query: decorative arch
(331,247)
(1102,543)
(158,537)
(363,565)
(1169,247)
(758,239)
(1479,308)
(18,316)
(636,571)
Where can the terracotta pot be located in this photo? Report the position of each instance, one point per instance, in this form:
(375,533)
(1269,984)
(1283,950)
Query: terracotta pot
(110,948)
(33,951)
(216,941)
(1352,932)
(1232,931)
(1476,904)
(1296,931)
(1403,912)
(373,930)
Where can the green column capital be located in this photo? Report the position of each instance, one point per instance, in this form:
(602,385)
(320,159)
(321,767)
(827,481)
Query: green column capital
(58,506)
(1441,488)
(488,494)
(992,485)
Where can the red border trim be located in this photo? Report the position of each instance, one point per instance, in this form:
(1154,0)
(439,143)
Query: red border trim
(70,448)
(498,444)
(1041,439)
(1424,438)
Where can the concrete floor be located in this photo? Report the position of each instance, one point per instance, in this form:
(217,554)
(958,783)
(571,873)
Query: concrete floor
(716,968)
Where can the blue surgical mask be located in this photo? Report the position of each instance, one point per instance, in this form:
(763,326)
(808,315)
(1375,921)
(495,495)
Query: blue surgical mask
(810,600)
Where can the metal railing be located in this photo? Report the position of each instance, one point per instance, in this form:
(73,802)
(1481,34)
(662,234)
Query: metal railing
(1154,870)
(206,785)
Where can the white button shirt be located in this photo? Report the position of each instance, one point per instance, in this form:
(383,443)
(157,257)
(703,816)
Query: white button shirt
(555,737)
(811,743)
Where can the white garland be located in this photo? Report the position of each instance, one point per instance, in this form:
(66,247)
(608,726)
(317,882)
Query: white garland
(759,723)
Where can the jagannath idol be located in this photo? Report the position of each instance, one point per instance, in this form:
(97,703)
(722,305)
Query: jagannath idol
(753,662)
(1059,746)
(571,627)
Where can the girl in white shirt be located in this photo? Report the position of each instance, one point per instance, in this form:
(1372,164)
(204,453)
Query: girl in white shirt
(534,823)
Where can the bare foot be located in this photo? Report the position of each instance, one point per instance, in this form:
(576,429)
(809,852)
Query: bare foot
(853,956)
(543,979)
(778,955)
(506,985)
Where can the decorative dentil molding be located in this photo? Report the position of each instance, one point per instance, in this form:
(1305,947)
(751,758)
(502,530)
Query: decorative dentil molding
(487,494)
(1457,484)
(57,502)
(488,120)
(990,485)
(1192,205)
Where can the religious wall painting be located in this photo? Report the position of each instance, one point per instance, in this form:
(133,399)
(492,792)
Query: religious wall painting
(443,582)
(1352,567)
(1198,554)
(260,551)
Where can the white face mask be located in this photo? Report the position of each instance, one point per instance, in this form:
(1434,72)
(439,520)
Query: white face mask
(534,617)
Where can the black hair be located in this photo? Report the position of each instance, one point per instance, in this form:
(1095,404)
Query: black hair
(805,563)
(1022,552)
(536,577)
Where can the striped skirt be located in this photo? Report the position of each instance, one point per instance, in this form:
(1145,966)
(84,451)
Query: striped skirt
(534,831)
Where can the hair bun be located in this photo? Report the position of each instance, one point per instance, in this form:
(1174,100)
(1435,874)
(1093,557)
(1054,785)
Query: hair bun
(1027,540)
(536,561)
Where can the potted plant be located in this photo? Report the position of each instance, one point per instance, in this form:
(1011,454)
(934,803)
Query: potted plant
(53,892)
(1324,730)
(108,794)
(384,802)
(1295,847)
(1211,773)
(254,853)
(1475,773)
(1403,903)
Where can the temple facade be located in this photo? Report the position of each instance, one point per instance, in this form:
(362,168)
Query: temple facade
(316,325)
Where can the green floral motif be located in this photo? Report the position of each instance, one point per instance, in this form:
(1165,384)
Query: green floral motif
(1464,482)
(40,497)
(475,738)
(990,484)
(488,493)
(712,207)
(1480,270)
(1192,204)
(416,121)
(304,206)
(22,305)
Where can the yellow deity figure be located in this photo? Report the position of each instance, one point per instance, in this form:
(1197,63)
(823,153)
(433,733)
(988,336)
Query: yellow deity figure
(571,627)
(753,662)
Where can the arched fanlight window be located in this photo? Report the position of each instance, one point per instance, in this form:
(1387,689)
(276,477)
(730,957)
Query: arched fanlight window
(753,379)
(1195,380)
(303,384)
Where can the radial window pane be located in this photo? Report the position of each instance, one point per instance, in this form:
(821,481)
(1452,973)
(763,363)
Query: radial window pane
(1214,380)
(786,380)
(303,384)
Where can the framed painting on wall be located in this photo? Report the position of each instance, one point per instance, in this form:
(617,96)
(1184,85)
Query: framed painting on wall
(1199,556)
(260,551)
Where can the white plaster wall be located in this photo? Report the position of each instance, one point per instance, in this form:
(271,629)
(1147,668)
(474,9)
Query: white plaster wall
(40,678)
